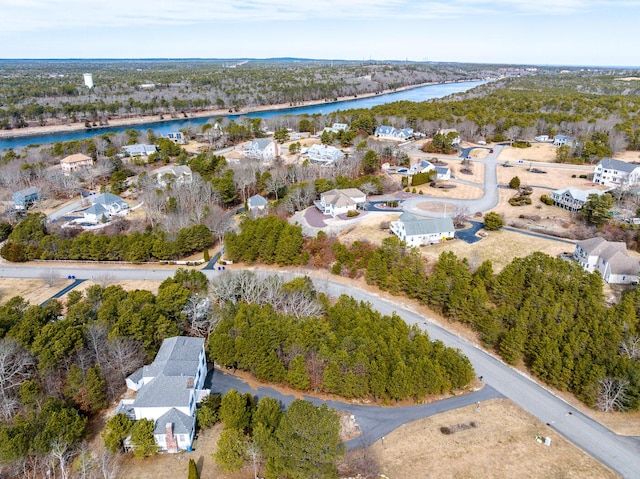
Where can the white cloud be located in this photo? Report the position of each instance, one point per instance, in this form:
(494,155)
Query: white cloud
(32,15)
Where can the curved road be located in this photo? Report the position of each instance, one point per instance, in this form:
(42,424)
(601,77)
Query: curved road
(620,453)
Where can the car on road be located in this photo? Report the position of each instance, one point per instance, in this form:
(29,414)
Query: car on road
(491,150)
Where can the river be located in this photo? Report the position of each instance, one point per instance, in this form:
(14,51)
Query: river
(424,93)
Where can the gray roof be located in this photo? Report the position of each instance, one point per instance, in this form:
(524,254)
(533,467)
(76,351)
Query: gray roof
(165,391)
(611,164)
(178,356)
(597,246)
(182,424)
(97,210)
(140,149)
(108,199)
(136,376)
(257,200)
(442,170)
(261,143)
(32,190)
(425,226)
(578,194)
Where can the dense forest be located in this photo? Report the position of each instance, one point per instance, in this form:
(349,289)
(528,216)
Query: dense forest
(45,92)
(344,348)
(543,312)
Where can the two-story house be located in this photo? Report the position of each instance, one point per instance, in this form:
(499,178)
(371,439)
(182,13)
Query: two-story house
(572,199)
(74,162)
(262,149)
(416,231)
(616,173)
(609,258)
(168,391)
(324,154)
(390,133)
(337,202)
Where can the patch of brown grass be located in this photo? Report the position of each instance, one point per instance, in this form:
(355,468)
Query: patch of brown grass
(502,445)
(35,291)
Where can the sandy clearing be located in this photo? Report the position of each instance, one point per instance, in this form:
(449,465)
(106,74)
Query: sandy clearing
(536,152)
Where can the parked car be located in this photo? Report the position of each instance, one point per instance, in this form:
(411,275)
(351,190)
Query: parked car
(491,150)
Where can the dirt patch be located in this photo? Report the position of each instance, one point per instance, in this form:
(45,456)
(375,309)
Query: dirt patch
(370,229)
(349,428)
(502,445)
(545,152)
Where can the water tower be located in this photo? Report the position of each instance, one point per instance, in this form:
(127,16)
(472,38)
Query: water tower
(88,80)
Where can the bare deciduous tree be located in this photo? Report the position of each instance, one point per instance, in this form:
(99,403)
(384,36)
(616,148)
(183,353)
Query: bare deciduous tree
(630,347)
(612,395)
(16,365)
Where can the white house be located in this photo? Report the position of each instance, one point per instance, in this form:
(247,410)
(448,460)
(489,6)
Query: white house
(337,202)
(168,390)
(75,162)
(262,149)
(139,149)
(542,138)
(173,174)
(416,231)
(616,173)
(177,137)
(105,206)
(390,133)
(422,166)
(610,259)
(324,154)
(443,173)
(336,128)
(572,199)
(561,140)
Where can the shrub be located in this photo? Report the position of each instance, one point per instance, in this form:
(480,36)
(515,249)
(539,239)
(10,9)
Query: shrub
(514,183)
(520,200)
(493,221)
(521,144)
(546,200)
(352,213)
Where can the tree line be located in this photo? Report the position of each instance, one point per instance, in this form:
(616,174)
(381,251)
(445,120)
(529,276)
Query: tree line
(345,348)
(31,240)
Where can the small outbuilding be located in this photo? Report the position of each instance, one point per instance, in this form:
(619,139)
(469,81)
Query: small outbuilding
(23,199)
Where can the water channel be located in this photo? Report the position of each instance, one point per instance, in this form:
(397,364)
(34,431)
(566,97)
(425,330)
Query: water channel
(162,128)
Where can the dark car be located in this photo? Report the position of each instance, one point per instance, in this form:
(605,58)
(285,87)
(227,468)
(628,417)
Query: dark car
(491,150)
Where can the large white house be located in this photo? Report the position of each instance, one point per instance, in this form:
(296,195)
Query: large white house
(105,206)
(168,390)
(337,202)
(325,154)
(139,149)
(416,231)
(336,128)
(390,133)
(572,199)
(262,149)
(609,258)
(616,173)
(173,174)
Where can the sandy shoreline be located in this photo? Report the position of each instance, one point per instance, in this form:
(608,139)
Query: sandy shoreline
(149,119)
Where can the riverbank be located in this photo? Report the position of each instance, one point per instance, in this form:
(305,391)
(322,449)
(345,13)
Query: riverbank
(153,119)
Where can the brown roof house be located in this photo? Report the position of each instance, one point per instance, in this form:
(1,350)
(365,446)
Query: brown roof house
(336,202)
(75,162)
(609,258)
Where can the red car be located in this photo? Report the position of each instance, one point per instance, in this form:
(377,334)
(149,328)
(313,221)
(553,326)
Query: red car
(491,150)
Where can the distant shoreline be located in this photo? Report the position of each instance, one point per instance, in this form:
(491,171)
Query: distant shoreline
(152,119)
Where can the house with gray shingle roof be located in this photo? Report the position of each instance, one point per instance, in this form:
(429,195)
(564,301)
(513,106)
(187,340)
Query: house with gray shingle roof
(562,140)
(572,199)
(105,206)
(257,204)
(386,132)
(616,173)
(416,231)
(263,149)
(168,390)
(609,258)
(139,149)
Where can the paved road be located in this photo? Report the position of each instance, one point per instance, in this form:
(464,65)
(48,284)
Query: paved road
(488,201)
(374,421)
(622,454)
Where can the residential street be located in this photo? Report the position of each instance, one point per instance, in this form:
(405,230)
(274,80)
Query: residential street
(619,453)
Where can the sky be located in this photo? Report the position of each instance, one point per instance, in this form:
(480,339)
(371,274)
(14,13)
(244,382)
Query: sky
(539,32)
